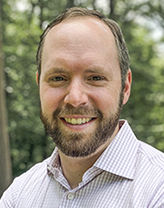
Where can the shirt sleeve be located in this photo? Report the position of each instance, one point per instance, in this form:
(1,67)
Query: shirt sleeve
(9,196)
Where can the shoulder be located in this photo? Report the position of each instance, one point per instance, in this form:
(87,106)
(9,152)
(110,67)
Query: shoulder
(34,172)
(148,182)
(150,172)
(151,155)
(23,182)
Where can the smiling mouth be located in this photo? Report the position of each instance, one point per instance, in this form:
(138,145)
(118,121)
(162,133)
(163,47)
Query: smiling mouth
(77,121)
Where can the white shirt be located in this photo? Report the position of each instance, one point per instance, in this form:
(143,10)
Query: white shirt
(129,174)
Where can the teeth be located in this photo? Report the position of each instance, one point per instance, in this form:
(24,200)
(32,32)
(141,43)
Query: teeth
(78,121)
(73,121)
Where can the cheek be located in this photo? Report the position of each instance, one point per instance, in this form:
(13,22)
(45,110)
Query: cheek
(50,99)
(106,100)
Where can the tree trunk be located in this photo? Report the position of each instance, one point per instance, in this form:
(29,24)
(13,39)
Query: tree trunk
(112,4)
(5,160)
(70,4)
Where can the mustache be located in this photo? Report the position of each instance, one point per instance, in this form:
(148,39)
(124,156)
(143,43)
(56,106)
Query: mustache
(70,110)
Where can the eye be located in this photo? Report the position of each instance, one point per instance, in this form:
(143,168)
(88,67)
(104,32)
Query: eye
(57,79)
(96,78)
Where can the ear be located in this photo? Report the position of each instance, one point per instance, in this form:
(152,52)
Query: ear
(127,88)
(37,77)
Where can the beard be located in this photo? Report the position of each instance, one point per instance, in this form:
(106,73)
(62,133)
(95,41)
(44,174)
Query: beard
(81,144)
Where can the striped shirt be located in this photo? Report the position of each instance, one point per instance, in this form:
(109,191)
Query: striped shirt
(129,174)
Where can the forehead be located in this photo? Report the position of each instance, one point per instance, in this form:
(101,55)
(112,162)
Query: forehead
(79,28)
(91,22)
(80,39)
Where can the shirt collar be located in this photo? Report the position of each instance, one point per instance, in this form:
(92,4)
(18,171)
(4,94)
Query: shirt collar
(120,156)
(53,163)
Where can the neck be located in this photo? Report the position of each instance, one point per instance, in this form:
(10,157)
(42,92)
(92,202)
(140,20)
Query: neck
(74,167)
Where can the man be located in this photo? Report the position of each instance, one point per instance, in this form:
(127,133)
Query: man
(84,80)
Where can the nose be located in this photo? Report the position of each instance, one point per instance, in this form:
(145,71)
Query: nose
(76,94)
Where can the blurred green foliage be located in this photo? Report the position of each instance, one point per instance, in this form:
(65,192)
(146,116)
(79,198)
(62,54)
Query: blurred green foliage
(23,22)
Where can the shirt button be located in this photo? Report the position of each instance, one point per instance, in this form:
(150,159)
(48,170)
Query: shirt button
(70,196)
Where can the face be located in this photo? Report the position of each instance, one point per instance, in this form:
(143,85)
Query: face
(80,86)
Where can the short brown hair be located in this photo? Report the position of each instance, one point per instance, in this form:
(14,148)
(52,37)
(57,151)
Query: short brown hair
(114,27)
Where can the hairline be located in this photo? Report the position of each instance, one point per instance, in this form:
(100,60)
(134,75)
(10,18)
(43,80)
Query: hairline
(108,22)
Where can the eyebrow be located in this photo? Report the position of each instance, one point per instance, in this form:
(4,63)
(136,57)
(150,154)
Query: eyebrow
(97,70)
(55,70)
(94,70)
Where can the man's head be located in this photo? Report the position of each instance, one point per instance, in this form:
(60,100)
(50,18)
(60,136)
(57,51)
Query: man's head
(80,83)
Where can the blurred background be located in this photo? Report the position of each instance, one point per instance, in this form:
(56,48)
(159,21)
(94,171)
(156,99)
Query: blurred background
(23,141)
